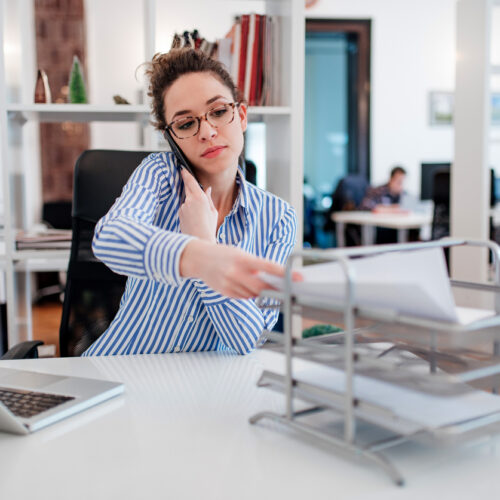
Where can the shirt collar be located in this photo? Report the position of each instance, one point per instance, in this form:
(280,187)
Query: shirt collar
(242,199)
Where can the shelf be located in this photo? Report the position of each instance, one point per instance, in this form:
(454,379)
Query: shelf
(112,113)
(36,260)
(269,110)
(41,260)
(77,112)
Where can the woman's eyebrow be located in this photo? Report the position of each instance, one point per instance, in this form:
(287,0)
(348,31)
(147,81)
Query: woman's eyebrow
(210,101)
(216,98)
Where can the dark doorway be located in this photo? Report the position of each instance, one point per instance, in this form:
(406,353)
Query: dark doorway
(337,116)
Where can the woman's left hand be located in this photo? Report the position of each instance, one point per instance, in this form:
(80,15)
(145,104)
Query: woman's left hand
(197,215)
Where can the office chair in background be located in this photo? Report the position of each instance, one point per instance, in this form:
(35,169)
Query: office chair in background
(348,195)
(441,199)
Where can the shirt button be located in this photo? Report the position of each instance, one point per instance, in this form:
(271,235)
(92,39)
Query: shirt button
(177,348)
(190,319)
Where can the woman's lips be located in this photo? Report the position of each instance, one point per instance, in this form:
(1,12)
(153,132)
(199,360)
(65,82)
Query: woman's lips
(213,152)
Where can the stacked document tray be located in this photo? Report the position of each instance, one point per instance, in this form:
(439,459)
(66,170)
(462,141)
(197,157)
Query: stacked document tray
(408,375)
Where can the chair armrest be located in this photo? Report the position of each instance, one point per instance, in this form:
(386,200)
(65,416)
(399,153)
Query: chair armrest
(23,350)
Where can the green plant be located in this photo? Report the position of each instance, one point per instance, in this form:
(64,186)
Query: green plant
(316,330)
(77,93)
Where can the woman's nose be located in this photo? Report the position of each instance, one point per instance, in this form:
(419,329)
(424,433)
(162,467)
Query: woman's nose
(207,131)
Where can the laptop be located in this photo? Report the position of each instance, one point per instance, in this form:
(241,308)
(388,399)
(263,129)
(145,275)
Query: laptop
(30,400)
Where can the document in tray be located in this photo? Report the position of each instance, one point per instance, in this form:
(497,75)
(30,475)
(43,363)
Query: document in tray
(412,283)
(423,409)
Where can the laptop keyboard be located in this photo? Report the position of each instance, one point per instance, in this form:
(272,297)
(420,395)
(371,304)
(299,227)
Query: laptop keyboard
(28,404)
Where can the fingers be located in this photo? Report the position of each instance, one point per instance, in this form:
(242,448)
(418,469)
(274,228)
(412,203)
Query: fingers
(247,287)
(190,183)
(267,266)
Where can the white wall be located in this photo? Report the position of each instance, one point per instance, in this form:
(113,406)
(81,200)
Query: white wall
(413,52)
(115,48)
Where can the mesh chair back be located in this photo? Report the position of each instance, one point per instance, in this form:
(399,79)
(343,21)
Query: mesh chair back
(93,291)
(441,199)
(348,195)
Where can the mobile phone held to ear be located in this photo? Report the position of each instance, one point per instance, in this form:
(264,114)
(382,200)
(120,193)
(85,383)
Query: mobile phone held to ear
(181,157)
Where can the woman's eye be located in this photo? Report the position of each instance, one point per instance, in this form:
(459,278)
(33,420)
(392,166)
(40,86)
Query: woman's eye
(217,113)
(185,125)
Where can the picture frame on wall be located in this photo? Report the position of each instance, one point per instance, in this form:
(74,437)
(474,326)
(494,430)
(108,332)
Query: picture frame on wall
(441,106)
(495,109)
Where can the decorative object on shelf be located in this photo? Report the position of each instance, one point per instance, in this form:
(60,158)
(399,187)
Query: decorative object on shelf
(195,41)
(249,53)
(311,3)
(41,237)
(119,99)
(253,58)
(42,88)
(77,93)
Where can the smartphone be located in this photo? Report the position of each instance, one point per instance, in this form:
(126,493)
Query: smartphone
(181,157)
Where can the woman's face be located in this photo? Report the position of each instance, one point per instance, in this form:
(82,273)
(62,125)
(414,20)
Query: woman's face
(211,150)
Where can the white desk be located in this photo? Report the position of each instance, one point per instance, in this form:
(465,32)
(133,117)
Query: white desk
(181,431)
(369,221)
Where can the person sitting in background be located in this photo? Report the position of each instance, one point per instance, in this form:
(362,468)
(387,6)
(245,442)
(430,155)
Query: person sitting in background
(386,198)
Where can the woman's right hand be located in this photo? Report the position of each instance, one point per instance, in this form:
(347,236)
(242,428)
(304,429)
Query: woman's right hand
(197,215)
(228,270)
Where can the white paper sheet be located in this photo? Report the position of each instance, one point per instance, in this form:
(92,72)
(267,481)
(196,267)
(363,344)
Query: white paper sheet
(413,283)
(423,409)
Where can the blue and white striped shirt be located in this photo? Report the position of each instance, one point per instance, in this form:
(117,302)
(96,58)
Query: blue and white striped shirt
(160,311)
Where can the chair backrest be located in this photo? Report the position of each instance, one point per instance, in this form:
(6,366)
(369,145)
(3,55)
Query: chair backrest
(93,291)
(349,193)
(441,199)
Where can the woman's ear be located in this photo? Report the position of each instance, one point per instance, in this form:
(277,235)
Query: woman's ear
(242,111)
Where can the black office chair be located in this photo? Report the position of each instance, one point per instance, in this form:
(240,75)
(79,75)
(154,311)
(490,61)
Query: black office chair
(441,199)
(93,292)
(250,171)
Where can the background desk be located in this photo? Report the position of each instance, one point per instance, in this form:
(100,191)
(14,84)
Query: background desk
(181,431)
(369,221)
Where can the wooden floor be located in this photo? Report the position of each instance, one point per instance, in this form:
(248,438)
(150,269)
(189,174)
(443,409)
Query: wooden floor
(46,320)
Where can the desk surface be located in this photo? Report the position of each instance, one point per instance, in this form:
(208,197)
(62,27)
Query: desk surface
(181,431)
(409,220)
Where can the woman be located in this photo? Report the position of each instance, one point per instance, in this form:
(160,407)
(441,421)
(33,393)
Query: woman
(193,255)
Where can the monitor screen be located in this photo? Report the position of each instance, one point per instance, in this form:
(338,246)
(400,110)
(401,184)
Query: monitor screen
(427,177)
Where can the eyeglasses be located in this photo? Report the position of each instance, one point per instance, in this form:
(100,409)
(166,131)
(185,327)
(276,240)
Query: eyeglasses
(218,117)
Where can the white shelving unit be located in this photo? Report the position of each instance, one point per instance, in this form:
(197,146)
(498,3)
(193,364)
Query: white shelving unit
(284,140)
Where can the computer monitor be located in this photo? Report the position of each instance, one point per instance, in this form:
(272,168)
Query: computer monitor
(497,189)
(427,180)
(427,172)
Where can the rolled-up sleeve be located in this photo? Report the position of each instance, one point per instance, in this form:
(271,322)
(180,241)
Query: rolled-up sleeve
(126,238)
(239,323)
